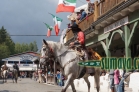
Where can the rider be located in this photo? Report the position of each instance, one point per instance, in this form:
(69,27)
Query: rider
(80,40)
(4,67)
(15,66)
(79,37)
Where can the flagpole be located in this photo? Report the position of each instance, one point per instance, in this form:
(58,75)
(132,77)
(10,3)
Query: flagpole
(59,17)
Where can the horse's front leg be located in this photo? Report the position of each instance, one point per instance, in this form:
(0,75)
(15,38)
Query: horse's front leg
(13,79)
(3,79)
(97,79)
(68,82)
(73,87)
(88,83)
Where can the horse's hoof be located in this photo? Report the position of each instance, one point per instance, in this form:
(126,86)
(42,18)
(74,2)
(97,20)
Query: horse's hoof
(62,90)
(74,90)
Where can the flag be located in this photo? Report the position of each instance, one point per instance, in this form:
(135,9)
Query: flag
(49,29)
(57,23)
(66,6)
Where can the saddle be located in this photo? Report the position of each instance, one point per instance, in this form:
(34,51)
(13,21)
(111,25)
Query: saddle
(79,51)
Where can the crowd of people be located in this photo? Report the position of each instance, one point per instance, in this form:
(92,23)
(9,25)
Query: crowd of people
(83,13)
(118,79)
(41,77)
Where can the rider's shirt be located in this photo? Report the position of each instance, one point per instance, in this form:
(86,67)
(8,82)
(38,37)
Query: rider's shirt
(15,67)
(81,38)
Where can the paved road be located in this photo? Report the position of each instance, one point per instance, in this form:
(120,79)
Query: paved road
(28,85)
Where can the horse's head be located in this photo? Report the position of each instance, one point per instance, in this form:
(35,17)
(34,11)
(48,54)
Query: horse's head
(46,53)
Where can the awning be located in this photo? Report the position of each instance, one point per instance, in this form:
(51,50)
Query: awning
(27,69)
(85,7)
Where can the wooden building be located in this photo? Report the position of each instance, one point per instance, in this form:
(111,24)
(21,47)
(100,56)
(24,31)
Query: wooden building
(112,29)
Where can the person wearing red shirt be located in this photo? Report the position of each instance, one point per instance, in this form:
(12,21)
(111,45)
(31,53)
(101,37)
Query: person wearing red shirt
(79,36)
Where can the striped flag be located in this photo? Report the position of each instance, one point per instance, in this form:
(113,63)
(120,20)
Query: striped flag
(50,28)
(66,6)
(57,23)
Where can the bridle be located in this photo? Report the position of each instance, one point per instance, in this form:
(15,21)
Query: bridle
(49,54)
(59,56)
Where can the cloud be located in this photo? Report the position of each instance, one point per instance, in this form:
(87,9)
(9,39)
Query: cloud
(25,17)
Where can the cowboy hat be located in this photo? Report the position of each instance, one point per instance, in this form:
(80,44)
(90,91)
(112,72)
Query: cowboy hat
(72,18)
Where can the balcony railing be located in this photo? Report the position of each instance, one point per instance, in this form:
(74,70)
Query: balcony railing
(106,5)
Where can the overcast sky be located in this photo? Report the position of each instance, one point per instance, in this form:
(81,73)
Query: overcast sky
(26,17)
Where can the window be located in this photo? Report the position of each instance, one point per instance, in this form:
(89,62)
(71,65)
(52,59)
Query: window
(29,62)
(26,62)
(16,62)
(10,62)
(22,62)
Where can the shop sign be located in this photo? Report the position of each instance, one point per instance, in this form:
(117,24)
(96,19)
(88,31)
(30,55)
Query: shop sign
(26,57)
(116,25)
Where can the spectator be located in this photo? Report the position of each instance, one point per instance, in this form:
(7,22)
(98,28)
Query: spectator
(90,7)
(73,21)
(61,79)
(122,72)
(111,76)
(25,74)
(83,14)
(78,15)
(116,79)
(39,75)
(58,77)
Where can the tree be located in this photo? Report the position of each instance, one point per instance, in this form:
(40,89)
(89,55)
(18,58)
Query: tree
(31,47)
(35,48)
(24,47)
(3,34)
(4,51)
(6,39)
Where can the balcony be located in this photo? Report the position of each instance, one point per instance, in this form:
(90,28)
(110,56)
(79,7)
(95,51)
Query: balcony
(101,9)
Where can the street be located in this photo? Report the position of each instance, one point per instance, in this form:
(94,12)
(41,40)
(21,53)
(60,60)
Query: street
(28,85)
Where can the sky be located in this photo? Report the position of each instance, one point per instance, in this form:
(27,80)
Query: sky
(27,17)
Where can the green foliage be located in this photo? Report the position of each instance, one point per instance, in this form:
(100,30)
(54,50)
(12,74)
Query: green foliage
(8,47)
(6,44)
(4,51)
(19,48)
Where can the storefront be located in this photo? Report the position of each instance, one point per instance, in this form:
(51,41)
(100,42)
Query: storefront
(25,61)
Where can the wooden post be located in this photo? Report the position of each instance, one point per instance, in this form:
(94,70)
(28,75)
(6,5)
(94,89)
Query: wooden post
(96,11)
(54,72)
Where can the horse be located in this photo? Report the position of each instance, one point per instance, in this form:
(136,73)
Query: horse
(68,60)
(14,75)
(4,73)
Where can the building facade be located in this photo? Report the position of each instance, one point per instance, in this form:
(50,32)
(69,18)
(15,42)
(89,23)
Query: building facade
(25,61)
(113,26)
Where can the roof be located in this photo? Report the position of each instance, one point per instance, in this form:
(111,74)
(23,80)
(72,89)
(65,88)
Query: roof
(28,52)
(34,56)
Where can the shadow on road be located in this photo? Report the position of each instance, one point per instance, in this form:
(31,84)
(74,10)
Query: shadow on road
(7,91)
